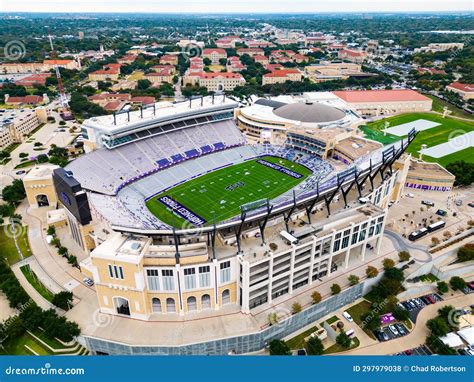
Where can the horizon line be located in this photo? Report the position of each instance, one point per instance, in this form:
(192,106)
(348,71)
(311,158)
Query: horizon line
(240,12)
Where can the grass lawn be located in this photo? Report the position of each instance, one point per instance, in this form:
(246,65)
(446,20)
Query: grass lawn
(439,104)
(7,244)
(297,342)
(358,310)
(216,68)
(55,344)
(338,348)
(219,194)
(17,346)
(37,284)
(135,76)
(431,137)
(429,278)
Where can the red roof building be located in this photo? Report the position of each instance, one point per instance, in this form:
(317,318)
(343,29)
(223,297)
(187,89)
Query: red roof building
(26,100)
(466,91)
(386,102)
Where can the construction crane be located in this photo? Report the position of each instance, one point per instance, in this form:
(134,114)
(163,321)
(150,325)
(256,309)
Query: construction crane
(62,95)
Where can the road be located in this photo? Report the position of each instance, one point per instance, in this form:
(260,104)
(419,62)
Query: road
(418,252)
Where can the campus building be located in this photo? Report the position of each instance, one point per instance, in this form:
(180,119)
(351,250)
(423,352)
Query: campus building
(214,54)
(384,102)
(16,124)
(427,176)
(466,91)
(322,121)
(351,55)
(38,67)
(280,76)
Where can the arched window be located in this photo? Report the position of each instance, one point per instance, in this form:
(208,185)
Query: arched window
(226,297)
(121,304)
(206,301)
(191,302)
(42,200)
(170,305)
(156,305)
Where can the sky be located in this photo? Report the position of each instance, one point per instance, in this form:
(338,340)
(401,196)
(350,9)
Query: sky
(244,6)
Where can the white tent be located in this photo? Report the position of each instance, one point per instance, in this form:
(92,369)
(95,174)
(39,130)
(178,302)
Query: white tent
(452,340)
(467,334)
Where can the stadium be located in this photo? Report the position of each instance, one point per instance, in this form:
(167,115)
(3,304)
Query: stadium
(189,217)
(184,216)
(186,165)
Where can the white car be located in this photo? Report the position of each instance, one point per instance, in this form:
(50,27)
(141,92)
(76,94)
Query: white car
(410,195)
(87,281)
(347,316)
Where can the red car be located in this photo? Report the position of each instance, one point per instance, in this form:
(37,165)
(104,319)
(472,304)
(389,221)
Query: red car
(431,299)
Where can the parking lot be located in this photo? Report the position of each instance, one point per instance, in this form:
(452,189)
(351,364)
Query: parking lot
(390,332)
(421,350)
(414,305)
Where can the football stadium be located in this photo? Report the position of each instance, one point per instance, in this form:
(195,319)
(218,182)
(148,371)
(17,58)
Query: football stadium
(184,214)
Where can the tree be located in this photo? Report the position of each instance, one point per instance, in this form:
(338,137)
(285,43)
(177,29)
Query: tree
(438,327)
(400,313)
(353,279)
(335,289)
(316,297)
(314,346)
(343,340)
(51,230)
(62,251)
(466,253)
(279,347)
(404,256)
(457,283)
(388,263)
(394,274)
(371,272)
(370,321)
(62,300)
(296,308)
(14,193)
(435,241)
(143,84)
(463,171)
(442,287)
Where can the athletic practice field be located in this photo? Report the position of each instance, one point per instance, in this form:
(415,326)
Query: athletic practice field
(219,194)
(447,129)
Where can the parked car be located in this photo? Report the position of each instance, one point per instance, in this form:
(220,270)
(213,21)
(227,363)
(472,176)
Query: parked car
(431,299)
(393,329)
(458,202)
(427,203)
(410,195)
(401,329)
(408,352)
(441,213)
(347,316)
(87,281)
(471,204)
(425,300)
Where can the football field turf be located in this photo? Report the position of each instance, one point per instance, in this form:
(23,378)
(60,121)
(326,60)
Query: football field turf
(218,195)
(448,128)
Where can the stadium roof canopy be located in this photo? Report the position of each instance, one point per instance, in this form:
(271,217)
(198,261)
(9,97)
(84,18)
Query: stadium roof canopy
(270,103)
(309,112)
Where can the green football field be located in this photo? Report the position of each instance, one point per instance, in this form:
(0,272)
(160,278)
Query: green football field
(448,128)
(219,194)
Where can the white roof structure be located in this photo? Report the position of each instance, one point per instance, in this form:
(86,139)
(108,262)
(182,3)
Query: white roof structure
(452,340)
(467,334)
